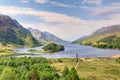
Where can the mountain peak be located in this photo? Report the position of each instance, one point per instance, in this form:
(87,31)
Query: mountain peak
(45,36)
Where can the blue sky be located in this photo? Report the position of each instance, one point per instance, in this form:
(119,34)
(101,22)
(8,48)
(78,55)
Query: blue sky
(67,19)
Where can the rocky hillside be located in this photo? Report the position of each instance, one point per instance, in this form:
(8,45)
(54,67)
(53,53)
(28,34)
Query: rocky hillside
(106,37)
(12,33)
(45,36)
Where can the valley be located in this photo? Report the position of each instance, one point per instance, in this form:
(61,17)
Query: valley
(30,54)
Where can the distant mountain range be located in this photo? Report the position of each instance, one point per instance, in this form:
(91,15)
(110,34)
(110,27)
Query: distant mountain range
(12,33)
(45,36)
(107,37)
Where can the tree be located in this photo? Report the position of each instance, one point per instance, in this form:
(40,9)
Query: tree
(32,75)
(52,47)
(65,71)
(8,74)
(72,75)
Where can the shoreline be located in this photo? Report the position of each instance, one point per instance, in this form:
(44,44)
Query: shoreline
(116,56)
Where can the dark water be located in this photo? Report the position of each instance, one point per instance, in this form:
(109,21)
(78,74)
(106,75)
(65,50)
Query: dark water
(70,52)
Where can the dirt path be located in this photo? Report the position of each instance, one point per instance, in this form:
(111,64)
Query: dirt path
(76,65)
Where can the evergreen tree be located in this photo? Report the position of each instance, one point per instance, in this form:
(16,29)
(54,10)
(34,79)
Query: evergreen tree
(65,71)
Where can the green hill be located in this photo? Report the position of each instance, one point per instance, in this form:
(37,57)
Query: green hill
(106,37)
(12,33)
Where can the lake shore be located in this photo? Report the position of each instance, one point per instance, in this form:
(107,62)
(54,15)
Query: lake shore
(116,56)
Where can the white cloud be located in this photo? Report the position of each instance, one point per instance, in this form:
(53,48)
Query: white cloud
(97,2)
(24,1)
(61,4)
(69,28)
(53,3)
(109,11)
(46,16)
(41,1)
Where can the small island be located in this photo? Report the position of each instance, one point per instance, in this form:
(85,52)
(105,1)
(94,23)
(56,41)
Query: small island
(50,48)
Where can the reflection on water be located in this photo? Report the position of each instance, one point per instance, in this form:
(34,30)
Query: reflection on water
(70,52)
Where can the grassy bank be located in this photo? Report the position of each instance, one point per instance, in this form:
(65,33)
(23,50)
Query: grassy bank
(92,68)
(39,51)
(6,51)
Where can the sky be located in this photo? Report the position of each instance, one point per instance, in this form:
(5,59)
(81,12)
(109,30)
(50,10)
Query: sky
(67,19)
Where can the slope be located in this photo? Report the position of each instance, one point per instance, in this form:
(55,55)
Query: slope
(12,33)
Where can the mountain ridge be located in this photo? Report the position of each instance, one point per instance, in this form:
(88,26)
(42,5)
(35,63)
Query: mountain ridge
(11,32)
(45,36)
(105,37)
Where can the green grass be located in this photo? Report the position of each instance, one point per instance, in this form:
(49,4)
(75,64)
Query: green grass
(6,51)
(92,69)
(39,51)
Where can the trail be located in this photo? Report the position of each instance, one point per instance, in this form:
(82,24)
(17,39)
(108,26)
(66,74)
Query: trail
(76,65)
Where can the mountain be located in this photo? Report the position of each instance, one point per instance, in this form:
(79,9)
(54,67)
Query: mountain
(107,37)
(12,33)
(80,39)
(45,36)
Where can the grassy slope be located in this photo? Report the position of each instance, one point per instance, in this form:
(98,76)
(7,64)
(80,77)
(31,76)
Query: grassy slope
(6,51)
(98,37)
(101,33)
(99,69)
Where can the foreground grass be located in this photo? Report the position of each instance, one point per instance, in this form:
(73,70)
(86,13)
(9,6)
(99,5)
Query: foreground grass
(91,69)
(27,68)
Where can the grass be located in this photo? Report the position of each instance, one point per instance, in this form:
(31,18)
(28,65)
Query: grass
(39,51)
(91,69)
(6,51)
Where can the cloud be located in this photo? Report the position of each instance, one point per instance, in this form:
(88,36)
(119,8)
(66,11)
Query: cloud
(41,1)
(53,3)
(108,11)
(24,1)
(46,16)
(96,2)
(73,26)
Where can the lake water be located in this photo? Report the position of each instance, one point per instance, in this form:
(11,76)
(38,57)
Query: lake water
(69,52)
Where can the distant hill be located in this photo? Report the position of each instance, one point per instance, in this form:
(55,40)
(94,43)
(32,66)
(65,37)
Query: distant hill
(80,39)
(45,36)
(107,37)
(12,33)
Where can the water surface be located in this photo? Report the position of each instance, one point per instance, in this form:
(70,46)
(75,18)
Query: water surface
(70,52)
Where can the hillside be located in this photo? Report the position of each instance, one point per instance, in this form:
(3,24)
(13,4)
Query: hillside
(106,37)
(80,39)
(12,33)
(45,36)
